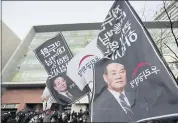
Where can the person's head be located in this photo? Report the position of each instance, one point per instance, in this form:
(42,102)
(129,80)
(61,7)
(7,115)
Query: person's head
(115,76)
(60,84)
(53,119)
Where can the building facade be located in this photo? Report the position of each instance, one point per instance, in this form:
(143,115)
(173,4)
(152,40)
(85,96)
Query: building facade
(164,39)
(171,8)
(24,76)
(10,42)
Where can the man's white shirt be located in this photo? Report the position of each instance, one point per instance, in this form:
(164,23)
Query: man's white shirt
(116,96)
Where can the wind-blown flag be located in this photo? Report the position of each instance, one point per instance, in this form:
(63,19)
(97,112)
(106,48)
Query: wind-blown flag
(47,99)
(45,94)
(54,55)
(80,68)
(131,82)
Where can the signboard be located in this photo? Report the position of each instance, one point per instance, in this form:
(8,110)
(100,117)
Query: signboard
(54,55)
(9,106)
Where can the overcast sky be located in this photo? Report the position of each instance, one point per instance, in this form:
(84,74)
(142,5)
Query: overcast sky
(20,16)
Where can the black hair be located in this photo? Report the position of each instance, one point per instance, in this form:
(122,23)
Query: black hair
(106,70)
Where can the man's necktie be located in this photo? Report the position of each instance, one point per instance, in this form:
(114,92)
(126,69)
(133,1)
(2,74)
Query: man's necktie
(125,105)
(67,93)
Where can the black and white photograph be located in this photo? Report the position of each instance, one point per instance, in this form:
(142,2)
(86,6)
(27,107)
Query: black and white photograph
(89,61)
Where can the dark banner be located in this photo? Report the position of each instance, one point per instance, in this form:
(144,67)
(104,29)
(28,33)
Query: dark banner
(54,55)
(131,83)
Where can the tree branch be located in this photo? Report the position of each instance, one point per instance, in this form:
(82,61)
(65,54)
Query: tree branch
(143,13)
(165,36)
(171,56)
(160,40)
(171,23)
(171,50)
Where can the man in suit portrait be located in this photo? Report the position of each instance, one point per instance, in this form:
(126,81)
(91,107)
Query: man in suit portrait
(60,86)
(115,103)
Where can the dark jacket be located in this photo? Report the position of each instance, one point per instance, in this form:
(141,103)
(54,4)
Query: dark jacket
(107,109)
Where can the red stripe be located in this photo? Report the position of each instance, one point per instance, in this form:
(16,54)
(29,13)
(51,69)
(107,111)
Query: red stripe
(138,66)
(84,59)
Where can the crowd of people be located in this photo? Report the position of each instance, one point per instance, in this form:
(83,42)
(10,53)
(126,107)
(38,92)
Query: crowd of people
(57,117)
(46,116)
(51,116)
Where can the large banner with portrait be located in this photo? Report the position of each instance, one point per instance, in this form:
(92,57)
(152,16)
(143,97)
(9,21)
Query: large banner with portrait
(131,82)
(54,55)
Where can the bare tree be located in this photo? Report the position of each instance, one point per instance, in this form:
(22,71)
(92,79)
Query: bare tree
(143,12)
(171,23)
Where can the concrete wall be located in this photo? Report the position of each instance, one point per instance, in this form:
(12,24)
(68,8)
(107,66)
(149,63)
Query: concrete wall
(11,66)
(10,42)
(22,96)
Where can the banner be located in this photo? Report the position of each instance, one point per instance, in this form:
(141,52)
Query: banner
(131,83)
(45,94)
(54,55)
(47,103)
(80,68)
(47,99)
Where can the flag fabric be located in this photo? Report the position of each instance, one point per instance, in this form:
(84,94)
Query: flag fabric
(54,55)
(44,105)
(47,99)
(45,94)
(80,68)
(132,67)
(49,103)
